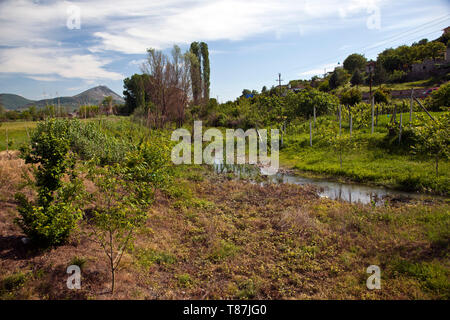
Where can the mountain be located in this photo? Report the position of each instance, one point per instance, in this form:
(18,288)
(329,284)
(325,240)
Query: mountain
(93,96)
(98,94)
(13,101)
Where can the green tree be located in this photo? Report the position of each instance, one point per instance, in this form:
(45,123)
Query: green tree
(205,70)
(196,71)
(324,86)
(246,92)
(390,60)
(264,90)
(357,78)
(338,78)
(435,50)
(135,91)
(123,195)
(354,62)
(116,215)
(380,75)
(351,97)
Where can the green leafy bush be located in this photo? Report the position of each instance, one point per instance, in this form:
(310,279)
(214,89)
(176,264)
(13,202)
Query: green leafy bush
(439,99)
(351,97)
(52,224)
(89,141)
(434,139)
(381,95)
(50,219)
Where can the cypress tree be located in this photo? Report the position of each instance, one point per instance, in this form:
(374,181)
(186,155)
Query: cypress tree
(206,70)
(196,72)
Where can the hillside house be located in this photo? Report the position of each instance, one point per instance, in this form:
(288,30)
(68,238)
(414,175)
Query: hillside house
(296,88)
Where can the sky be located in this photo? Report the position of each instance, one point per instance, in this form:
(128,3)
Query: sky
(61,48)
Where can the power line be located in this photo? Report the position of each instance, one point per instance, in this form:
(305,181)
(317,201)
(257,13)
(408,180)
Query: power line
(410,39)
(412,31)
(376,48)
(385,41)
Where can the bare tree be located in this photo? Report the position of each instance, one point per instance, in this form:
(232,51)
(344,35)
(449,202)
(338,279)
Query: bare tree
(169,86)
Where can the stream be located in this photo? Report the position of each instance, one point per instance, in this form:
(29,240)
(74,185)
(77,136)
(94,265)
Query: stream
(349,192)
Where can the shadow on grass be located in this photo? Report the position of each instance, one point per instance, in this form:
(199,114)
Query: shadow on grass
(12,248)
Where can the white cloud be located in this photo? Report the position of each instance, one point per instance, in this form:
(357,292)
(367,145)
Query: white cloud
(54,61)
(137,62)
(42,78)
(130,27)
(133,26)
(319,70)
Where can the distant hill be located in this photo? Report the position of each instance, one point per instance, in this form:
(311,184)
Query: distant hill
(93,96)
(98,94)
(13,101)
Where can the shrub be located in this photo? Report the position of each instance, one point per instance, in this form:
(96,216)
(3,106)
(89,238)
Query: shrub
(50,225)
(50,219)
(439,99)
(434,139)
(88,141)
(351,97)
(12,283)
(381,95)
(397,76)
(48,149)
(78,261)
(324,86)
(302,104)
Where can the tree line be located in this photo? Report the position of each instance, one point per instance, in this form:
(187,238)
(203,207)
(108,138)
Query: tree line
(33,113)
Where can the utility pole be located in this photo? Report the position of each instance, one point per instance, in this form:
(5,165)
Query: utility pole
(411,107)
(279,83)
(59,107)
(370,68)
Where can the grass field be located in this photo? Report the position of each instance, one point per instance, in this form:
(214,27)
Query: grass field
(17,133)
(369,162)
(420,84)
(209,237)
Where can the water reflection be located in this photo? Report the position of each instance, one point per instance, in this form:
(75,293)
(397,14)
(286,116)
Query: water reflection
(354,193)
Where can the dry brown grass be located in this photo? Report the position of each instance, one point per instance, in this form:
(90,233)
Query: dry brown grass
(225,239)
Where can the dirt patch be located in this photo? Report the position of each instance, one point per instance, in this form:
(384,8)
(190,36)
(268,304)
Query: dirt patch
(222,239)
